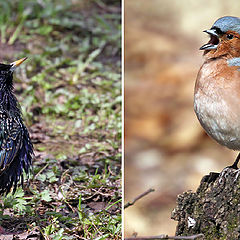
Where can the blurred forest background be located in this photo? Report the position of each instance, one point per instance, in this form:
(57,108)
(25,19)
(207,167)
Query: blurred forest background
(165,146)
(70,93)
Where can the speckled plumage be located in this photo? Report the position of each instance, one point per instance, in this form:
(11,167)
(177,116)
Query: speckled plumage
(16,150)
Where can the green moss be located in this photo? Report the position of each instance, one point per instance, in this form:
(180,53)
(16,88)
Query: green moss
(232,223)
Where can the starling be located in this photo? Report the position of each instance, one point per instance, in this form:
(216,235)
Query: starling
(16,149)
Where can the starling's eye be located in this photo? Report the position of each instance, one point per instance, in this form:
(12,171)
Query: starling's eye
(230,36)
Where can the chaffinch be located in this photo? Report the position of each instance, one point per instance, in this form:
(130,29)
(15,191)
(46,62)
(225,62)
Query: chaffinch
(217,88)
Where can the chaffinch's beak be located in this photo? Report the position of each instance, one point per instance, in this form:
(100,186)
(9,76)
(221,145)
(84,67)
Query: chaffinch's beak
(17,63)
(213,42)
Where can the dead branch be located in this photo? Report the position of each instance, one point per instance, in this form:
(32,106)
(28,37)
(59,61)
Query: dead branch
(163,236)
(138,197)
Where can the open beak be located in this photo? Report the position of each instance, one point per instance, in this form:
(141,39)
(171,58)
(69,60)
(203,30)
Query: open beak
(17,63)
(213,42)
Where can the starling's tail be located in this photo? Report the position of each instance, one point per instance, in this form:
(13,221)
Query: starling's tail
(13,173)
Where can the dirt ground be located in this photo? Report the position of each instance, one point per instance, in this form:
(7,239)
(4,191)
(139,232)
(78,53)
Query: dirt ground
(69,90)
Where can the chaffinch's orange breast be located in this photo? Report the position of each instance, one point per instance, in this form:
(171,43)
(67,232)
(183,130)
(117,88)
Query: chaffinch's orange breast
(217,101)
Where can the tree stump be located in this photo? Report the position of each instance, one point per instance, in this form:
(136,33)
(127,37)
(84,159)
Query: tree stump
(213,210)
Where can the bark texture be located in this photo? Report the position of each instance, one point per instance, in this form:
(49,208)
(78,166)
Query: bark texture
(213,210)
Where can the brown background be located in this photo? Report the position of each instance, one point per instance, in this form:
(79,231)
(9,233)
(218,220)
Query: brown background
(165,146)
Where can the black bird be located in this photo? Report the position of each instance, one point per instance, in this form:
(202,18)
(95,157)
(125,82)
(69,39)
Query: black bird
(16,149)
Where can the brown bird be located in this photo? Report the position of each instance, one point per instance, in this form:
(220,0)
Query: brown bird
(217,89)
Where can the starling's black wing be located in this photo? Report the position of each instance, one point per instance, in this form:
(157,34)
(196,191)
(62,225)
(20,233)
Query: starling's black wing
(9,148)
(15,154)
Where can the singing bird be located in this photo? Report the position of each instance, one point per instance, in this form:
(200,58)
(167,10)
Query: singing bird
(16,149)
(217,88)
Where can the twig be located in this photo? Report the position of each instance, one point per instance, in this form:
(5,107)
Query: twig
(163,236)
(41,170)
(138,197)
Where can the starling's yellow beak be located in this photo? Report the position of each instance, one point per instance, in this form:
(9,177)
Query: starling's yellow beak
(18,62)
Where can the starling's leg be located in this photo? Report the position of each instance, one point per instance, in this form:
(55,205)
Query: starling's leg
(236,162)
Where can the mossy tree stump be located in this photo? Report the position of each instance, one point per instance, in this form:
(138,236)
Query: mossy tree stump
(213,210)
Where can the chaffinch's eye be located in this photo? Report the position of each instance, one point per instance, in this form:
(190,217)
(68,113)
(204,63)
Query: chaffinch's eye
(230,36)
